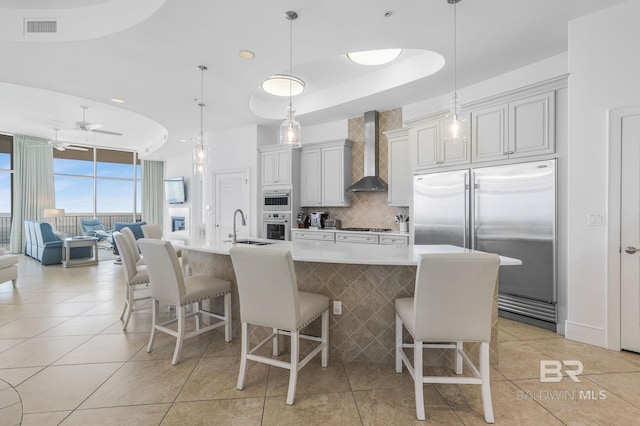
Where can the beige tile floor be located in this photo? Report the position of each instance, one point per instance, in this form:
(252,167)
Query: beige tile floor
(64,359)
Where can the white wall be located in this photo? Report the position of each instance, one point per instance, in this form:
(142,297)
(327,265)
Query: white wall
(176,167)
(605,73)
(234,149)
(326,132)
(230,149)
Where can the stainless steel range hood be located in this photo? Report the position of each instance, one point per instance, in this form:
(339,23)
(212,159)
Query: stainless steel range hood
(371,182)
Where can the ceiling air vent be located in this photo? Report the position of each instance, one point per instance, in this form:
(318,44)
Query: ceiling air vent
(40,26)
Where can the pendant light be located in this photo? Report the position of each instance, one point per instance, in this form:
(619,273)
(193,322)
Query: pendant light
(455,124)
(201,150)
(290,128)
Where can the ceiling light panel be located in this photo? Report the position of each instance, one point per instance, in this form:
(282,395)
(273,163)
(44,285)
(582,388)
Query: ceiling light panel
(278,85)
(374,57)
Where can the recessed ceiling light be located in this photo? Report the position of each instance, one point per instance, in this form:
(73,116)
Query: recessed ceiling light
(279,85)
(374,57)
(117,100)
(246,54)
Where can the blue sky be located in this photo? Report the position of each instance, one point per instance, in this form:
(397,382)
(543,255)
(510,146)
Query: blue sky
(75,193)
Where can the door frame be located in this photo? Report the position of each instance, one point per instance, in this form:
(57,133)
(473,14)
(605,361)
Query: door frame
(614,211)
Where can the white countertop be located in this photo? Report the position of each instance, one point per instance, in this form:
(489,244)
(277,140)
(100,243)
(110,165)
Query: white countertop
(366,254)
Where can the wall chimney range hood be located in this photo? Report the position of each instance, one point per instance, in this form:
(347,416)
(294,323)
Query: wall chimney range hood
(371,182)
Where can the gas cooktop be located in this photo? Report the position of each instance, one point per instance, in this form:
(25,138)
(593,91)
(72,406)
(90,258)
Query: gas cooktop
(367,229)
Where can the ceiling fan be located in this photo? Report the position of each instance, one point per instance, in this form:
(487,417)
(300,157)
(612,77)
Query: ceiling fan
(85,126)
(62,145)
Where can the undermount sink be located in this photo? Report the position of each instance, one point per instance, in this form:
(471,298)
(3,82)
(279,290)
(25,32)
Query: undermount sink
(254,242)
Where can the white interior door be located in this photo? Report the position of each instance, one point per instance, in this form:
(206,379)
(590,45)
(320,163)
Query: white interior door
(231,193)
(630,234)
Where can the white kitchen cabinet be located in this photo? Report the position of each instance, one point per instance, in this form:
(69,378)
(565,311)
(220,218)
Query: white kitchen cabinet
(399,168)
(393,239)
(313,235)
(311,177)
(429,148)
(356,237)
(337,236)
(519,128)
(276,165)
(325,174)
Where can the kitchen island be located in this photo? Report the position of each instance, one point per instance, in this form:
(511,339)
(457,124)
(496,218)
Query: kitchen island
(365,278)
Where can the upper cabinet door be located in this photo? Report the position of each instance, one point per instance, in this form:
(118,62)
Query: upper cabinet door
(269,171)
(425,138)
(276,167)
(284,166)
(532,125)
(310,178)
(399,167)
(333,188)
(489,133)
(452,153)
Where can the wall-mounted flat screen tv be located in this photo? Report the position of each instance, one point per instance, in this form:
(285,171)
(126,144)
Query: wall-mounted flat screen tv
(175,190)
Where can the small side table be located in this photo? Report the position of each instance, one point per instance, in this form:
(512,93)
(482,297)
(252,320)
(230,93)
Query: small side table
(69,243)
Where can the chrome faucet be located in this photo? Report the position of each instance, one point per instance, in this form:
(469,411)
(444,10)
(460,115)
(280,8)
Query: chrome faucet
(234,240)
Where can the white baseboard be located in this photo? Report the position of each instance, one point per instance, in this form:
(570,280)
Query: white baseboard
(584,333)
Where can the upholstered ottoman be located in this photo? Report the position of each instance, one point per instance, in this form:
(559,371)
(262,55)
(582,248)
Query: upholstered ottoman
(8,267)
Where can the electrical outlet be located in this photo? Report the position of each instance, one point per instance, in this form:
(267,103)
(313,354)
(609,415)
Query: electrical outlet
(337,307)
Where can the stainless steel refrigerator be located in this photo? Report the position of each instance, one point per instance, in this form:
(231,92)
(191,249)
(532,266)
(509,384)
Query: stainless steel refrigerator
(509,210)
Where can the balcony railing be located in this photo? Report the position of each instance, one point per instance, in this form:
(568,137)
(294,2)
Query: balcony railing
(69,224)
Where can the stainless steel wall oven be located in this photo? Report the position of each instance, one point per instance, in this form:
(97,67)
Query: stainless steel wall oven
(276,226)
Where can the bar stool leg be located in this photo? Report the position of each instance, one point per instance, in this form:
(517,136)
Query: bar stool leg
(398,344)
(155,306)
(485,372)
(180,336)
(243,354)
(293,373)
(417,379)
(325,338)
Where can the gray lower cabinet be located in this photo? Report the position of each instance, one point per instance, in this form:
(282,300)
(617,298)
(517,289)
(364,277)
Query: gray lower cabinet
(393,239)
(361,238)
(349,237)
(313,235)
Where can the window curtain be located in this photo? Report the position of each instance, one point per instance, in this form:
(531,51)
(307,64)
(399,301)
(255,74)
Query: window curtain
(33,189)
(153,191)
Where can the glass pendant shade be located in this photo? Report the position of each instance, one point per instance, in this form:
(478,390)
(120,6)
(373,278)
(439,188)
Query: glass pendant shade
(200,157)
(455,123)
(290,130)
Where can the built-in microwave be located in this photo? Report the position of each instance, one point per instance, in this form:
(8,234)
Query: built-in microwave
(276,200)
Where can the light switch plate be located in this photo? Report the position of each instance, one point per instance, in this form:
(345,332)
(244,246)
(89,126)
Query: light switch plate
(595,219)
(337,307)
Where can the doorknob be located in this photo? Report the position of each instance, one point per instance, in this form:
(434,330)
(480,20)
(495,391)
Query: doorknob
(630,250)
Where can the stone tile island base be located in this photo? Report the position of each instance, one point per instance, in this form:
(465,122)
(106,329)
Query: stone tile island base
(365,330)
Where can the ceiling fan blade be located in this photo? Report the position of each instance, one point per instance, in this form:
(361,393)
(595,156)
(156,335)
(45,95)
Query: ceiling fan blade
(93,126)
(106,132)
(76,148)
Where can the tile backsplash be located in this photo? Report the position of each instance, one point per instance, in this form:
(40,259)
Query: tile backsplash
(369,209)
